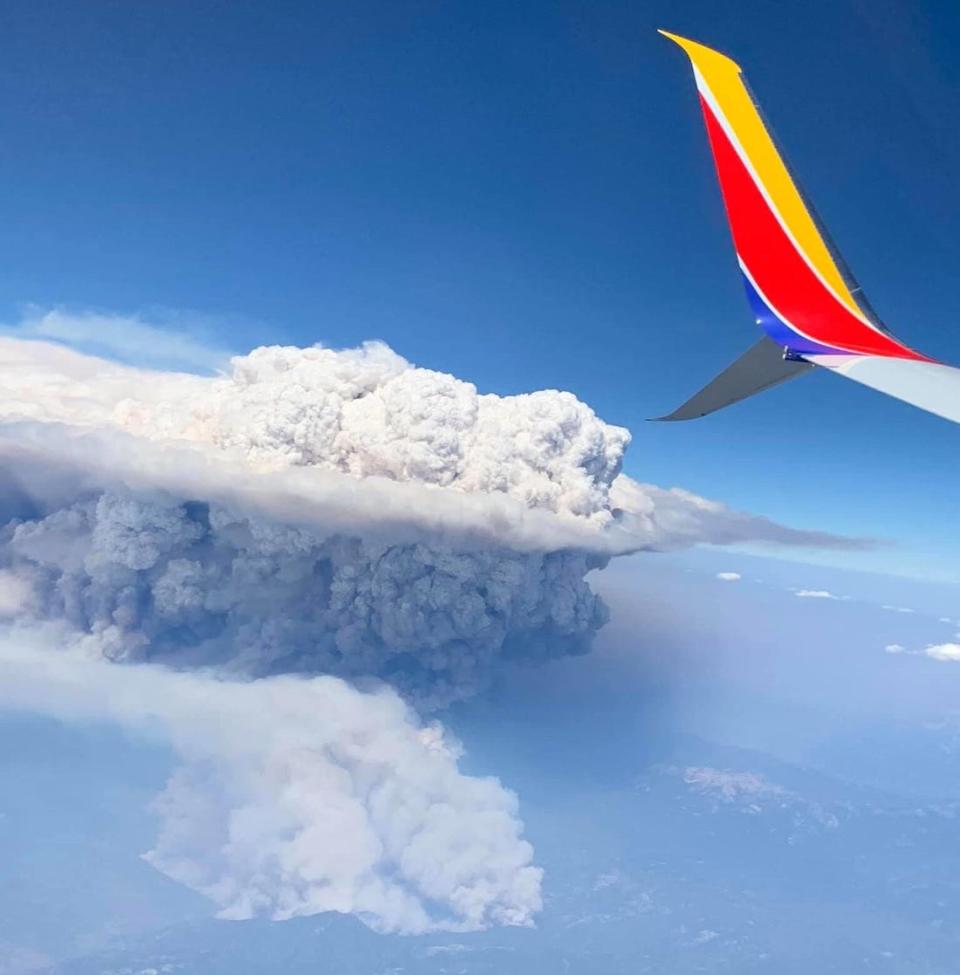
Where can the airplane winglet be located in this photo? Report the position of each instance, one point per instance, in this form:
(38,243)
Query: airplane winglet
(799,288)
(790,266)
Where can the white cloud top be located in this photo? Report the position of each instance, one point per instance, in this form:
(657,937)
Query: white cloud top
(365,412)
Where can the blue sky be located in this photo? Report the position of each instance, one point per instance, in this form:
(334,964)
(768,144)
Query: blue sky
(519,194)
(756,774)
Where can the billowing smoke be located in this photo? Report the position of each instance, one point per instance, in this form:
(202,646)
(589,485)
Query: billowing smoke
(170,576)
(191,583)
(430,531)
(316,512)
(365,412)
(300,795)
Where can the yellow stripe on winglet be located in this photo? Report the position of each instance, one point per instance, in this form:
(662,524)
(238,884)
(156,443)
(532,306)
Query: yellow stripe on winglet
(722,76)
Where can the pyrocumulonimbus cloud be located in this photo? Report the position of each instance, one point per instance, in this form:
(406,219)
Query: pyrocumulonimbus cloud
(317,512)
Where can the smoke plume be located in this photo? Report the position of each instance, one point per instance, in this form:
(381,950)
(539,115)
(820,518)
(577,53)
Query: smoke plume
(299,796)
(313,512)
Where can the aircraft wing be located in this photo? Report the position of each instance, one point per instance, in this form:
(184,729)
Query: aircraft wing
(800,290)
(932,386)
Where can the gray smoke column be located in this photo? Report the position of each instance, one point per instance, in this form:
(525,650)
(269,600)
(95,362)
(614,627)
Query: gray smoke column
(192,584)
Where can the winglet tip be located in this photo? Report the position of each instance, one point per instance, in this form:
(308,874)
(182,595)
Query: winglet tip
(699,53)
(676,38)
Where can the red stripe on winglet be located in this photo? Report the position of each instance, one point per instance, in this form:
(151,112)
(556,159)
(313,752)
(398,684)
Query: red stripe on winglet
(779,269)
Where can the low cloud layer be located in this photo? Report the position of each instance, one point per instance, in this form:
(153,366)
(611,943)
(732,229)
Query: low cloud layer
(299,796)
(944,651)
